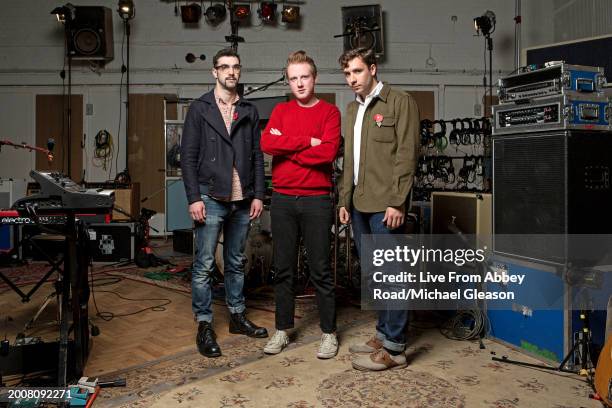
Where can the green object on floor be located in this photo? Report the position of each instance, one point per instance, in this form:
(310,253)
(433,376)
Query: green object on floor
(159,275)
(162,275)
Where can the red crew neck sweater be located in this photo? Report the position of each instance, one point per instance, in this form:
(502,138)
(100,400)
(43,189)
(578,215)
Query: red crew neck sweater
(297,167)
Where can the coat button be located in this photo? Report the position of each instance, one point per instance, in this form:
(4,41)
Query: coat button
(212,159)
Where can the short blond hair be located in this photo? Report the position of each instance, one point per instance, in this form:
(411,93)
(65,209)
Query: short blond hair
(300,57)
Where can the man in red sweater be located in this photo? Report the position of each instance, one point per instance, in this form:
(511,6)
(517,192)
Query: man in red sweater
(303,135)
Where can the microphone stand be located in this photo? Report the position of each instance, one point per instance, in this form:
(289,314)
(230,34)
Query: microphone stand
(124,176)
(48,152)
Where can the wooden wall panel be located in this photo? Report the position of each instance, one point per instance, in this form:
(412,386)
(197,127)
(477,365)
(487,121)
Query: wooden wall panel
(146,147)
(49,125)
(427,103)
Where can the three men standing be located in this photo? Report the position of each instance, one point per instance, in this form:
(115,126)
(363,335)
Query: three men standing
(222,166)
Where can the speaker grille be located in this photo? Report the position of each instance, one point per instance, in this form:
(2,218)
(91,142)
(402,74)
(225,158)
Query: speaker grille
(529,174)
(530,194)
(91,34)
(87,41)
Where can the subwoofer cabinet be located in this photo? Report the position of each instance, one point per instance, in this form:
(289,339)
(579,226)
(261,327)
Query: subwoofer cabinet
(550,184)
(470,212)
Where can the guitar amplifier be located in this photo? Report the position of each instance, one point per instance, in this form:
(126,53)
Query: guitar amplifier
(128,199)
(470,212)
(113,242)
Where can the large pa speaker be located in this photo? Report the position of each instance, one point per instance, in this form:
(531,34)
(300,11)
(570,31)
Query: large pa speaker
(363,27)
(90,35)
(547,185)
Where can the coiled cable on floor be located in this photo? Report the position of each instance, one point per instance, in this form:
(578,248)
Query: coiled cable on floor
(466,325)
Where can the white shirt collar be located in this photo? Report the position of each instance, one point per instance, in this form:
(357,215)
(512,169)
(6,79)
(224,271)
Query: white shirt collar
(372,94)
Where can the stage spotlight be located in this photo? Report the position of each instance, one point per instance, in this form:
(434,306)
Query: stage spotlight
(267,11)
(242,11)
(485,24)
(64,13)
(126,10)
(191,13)
(290,14)
(215,14)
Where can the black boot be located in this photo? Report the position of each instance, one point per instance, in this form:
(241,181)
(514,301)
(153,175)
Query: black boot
(205,339)
(239,324)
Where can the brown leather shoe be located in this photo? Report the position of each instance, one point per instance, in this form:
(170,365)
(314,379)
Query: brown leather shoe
(370,346)
(379,360)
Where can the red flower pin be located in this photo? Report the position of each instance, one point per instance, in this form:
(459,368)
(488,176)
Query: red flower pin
(235,117)
(378,118)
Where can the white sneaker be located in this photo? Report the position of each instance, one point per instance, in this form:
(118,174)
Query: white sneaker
(329,346)
(277,343)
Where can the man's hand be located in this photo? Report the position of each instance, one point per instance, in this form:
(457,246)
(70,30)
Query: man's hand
(314,141)
(197,211)
(256,208)
(276,132)
(345,216)
(393,218)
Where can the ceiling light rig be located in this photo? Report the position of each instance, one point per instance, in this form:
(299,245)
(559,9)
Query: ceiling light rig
(215,14)
(191,13)
(126,10)
(242,11)
(290,14)
(267,12)
(239,13)
(64,13)
(485,24)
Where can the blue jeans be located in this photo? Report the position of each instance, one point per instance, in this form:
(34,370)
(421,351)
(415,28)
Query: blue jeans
(233,218)
(392,324)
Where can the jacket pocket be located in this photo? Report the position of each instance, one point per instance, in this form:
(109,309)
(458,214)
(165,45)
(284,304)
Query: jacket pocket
(385,133)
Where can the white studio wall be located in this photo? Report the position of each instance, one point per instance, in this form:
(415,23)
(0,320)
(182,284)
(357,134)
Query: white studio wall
(429,45)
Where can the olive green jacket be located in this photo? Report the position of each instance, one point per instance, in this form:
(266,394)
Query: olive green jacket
(388,155)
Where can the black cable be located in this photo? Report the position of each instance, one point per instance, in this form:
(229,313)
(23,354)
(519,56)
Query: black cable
(111,281)
(108,316)
(484,77)
(455,329)
(120,109)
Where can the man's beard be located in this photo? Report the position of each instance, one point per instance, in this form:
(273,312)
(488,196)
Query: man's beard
(230,85)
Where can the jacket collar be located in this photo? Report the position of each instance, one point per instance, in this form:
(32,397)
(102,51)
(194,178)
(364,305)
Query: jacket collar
(382,95)
(209,97)
(384,92)
(214,117)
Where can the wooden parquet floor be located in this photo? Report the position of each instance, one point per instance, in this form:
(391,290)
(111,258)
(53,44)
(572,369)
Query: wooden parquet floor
(128,339)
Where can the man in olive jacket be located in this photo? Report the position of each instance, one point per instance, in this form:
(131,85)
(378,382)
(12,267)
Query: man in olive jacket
(380,154)
(222,166)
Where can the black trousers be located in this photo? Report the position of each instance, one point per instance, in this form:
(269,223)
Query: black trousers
(312,217)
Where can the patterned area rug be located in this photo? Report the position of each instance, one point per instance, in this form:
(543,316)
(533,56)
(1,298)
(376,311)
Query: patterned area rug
(31,272)
(27,274)
(442,373)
